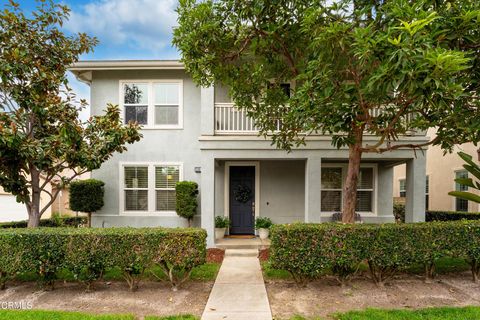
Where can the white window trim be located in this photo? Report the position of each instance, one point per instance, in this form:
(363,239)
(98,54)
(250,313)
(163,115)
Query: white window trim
(151,188)
(151,103)
(454,199)
(344,167)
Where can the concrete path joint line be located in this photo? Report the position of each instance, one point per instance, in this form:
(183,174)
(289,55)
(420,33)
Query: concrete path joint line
(239,291)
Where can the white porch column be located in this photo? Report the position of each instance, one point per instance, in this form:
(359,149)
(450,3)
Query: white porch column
(207,194)
(313,169)
(207,113)
(415,189)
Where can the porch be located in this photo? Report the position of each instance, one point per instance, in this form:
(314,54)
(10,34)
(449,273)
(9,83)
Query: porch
(289,190)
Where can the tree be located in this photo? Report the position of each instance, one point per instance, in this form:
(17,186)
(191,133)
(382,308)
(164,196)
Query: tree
(87,196)
(473,169)
(41,135)
(186,200)
(357,67)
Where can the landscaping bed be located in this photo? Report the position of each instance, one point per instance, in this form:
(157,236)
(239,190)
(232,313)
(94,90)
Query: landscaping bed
(152,298)
(324,297)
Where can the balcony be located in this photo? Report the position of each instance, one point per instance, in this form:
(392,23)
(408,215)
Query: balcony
(231,120)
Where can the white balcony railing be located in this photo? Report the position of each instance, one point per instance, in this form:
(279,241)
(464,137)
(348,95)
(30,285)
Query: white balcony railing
(232,120)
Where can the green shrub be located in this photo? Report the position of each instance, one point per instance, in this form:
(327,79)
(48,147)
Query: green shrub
(64,221)
(451,215)
(87,252)
(179,253)
(88,256)
(263,223)
(399,212)
(309,250)
(86,196)
(222,222)
(186,203)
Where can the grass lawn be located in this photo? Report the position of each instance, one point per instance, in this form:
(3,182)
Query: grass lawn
(62,315)
(467,313)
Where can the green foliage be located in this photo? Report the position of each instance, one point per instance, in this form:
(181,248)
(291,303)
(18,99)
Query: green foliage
(443,313)
(87,253)
(451,215)
(86,195)
(263,223)
(382,69)
(399,212)
(58,315)
(42,136)
(65,221)
(309,250)
(474,169)
(186,203)
(222,222)
(347,56)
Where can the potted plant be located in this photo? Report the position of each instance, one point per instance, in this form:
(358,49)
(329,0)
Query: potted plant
(221,225)
(263,224)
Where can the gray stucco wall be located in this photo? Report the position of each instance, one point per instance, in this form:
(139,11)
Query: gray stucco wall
(179,145)
(282,190)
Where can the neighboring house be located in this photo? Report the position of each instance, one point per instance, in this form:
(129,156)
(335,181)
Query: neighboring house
(11,210)
(442,169)
(197,134)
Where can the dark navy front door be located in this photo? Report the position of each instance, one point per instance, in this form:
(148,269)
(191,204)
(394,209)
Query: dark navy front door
(242,199)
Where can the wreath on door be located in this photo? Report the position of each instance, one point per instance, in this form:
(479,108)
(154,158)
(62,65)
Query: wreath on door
(242,193)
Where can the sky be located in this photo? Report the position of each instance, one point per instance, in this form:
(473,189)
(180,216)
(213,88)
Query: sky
(126,29)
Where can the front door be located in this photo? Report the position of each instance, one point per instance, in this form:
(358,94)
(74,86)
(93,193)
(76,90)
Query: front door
(242,199)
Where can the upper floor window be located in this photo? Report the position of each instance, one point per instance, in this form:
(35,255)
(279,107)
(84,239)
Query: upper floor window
(153,104)
(461,204)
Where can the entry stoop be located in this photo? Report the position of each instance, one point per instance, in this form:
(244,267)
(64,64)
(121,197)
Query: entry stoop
(246,244)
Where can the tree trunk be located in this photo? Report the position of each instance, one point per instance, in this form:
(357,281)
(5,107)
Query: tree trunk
(33,206)
(351,181)
(89,219)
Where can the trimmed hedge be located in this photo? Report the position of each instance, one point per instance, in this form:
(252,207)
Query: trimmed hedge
(88,252)
(309,250)
(451,215)
(51,222)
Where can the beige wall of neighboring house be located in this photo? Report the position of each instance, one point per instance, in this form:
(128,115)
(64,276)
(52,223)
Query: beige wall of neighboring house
(441,172)
(11,210)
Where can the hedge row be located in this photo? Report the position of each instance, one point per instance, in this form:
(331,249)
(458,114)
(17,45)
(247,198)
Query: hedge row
(451,215)
(399,213)
(309,250)
(51,222)
(87,253)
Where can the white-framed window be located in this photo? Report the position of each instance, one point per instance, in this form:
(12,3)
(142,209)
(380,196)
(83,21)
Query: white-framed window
(333,180)
(461,204)
(403,187)
(149,188)
(155,104)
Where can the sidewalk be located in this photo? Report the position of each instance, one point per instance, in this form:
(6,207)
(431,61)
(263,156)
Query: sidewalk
(239,292)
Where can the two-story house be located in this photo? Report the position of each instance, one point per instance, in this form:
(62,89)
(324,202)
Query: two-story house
(197,134)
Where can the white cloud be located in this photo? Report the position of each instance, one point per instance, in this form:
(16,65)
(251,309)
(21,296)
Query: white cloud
(134,24)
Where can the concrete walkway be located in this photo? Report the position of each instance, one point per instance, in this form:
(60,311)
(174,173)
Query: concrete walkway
(239,292)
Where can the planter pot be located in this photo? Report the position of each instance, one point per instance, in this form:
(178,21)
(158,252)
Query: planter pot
(263,233)
(220,233)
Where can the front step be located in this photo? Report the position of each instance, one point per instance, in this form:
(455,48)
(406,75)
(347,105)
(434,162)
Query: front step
(241,253)
(229,243)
